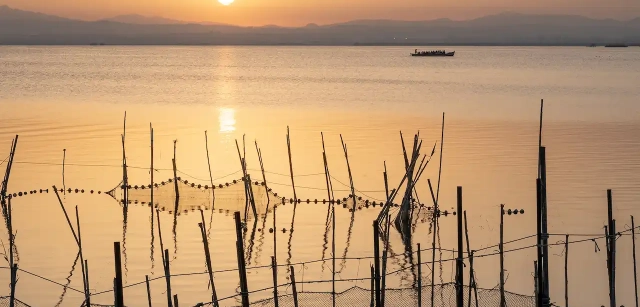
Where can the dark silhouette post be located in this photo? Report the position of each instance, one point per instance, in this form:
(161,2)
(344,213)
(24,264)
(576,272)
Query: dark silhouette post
(118,280)
(376,255)
(459,260)
(242,271)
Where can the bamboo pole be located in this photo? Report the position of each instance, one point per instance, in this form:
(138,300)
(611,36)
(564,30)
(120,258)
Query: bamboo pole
(118,280)
(503,302)
(376,257)
(611,256)
(435,215)
(146,277)
(66,215)
(160,237)
(536,283)
(165,260)
(472,278)
(87,295)
(207,254)
(539,284)
(167,276)
(213,191)
(383,277)
(64,158)
(293,286)
(333,255)
(353,190)
(151,170)
(13,266)
(86,267)
(293,185)
(419,276)
(459,260)
(175,179)
(386,181)
(545,236)
(635,272)
(125,176)
(244,292)
(14,280)
(566,271)
(613,236)
(373,286)
(274,269)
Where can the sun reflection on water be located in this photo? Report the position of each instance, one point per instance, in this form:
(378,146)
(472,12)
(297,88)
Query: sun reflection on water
(227,119)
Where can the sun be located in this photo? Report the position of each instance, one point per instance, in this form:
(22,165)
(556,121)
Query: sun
(225,2)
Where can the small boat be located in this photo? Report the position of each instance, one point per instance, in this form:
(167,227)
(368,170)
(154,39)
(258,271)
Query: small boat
(433,53)
(616,45)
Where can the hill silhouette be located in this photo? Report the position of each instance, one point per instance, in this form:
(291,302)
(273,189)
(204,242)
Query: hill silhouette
(31,28)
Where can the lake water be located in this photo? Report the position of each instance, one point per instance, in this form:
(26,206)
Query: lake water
(75,98)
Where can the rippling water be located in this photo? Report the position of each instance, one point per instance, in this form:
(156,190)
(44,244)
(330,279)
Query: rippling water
(74,98)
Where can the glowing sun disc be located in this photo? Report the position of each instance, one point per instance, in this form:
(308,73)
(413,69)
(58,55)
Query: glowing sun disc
(225,2)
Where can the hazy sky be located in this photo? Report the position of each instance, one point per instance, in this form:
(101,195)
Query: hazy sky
(301,12)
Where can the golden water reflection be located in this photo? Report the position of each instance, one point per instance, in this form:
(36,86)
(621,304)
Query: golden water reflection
(227,119)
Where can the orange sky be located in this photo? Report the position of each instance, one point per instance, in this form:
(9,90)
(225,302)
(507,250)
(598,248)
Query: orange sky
(301,12)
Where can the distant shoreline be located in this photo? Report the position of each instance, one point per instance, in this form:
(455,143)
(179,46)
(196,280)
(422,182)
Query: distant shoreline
(320,45)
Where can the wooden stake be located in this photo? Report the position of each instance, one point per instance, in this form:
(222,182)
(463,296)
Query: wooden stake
(118,280)
(635,272)
(566,271)
(207,254)
(503,302)
(244,291)
(274,269)
(293,286)
(148,289)
(175,300)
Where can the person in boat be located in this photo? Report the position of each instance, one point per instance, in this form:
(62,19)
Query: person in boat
(416,52)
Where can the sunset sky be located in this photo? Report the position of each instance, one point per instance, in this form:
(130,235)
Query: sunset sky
(298,12)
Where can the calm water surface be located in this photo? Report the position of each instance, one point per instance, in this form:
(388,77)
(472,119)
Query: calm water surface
(74,98)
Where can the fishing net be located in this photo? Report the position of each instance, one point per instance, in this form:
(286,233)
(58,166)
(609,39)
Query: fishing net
(5,301)
(444,296)
(229,197)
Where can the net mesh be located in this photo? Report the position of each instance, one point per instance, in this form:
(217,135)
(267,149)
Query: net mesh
(5,301)
(444,296)
(230,197)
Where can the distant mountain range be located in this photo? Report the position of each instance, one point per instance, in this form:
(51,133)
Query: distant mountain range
(19,27)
